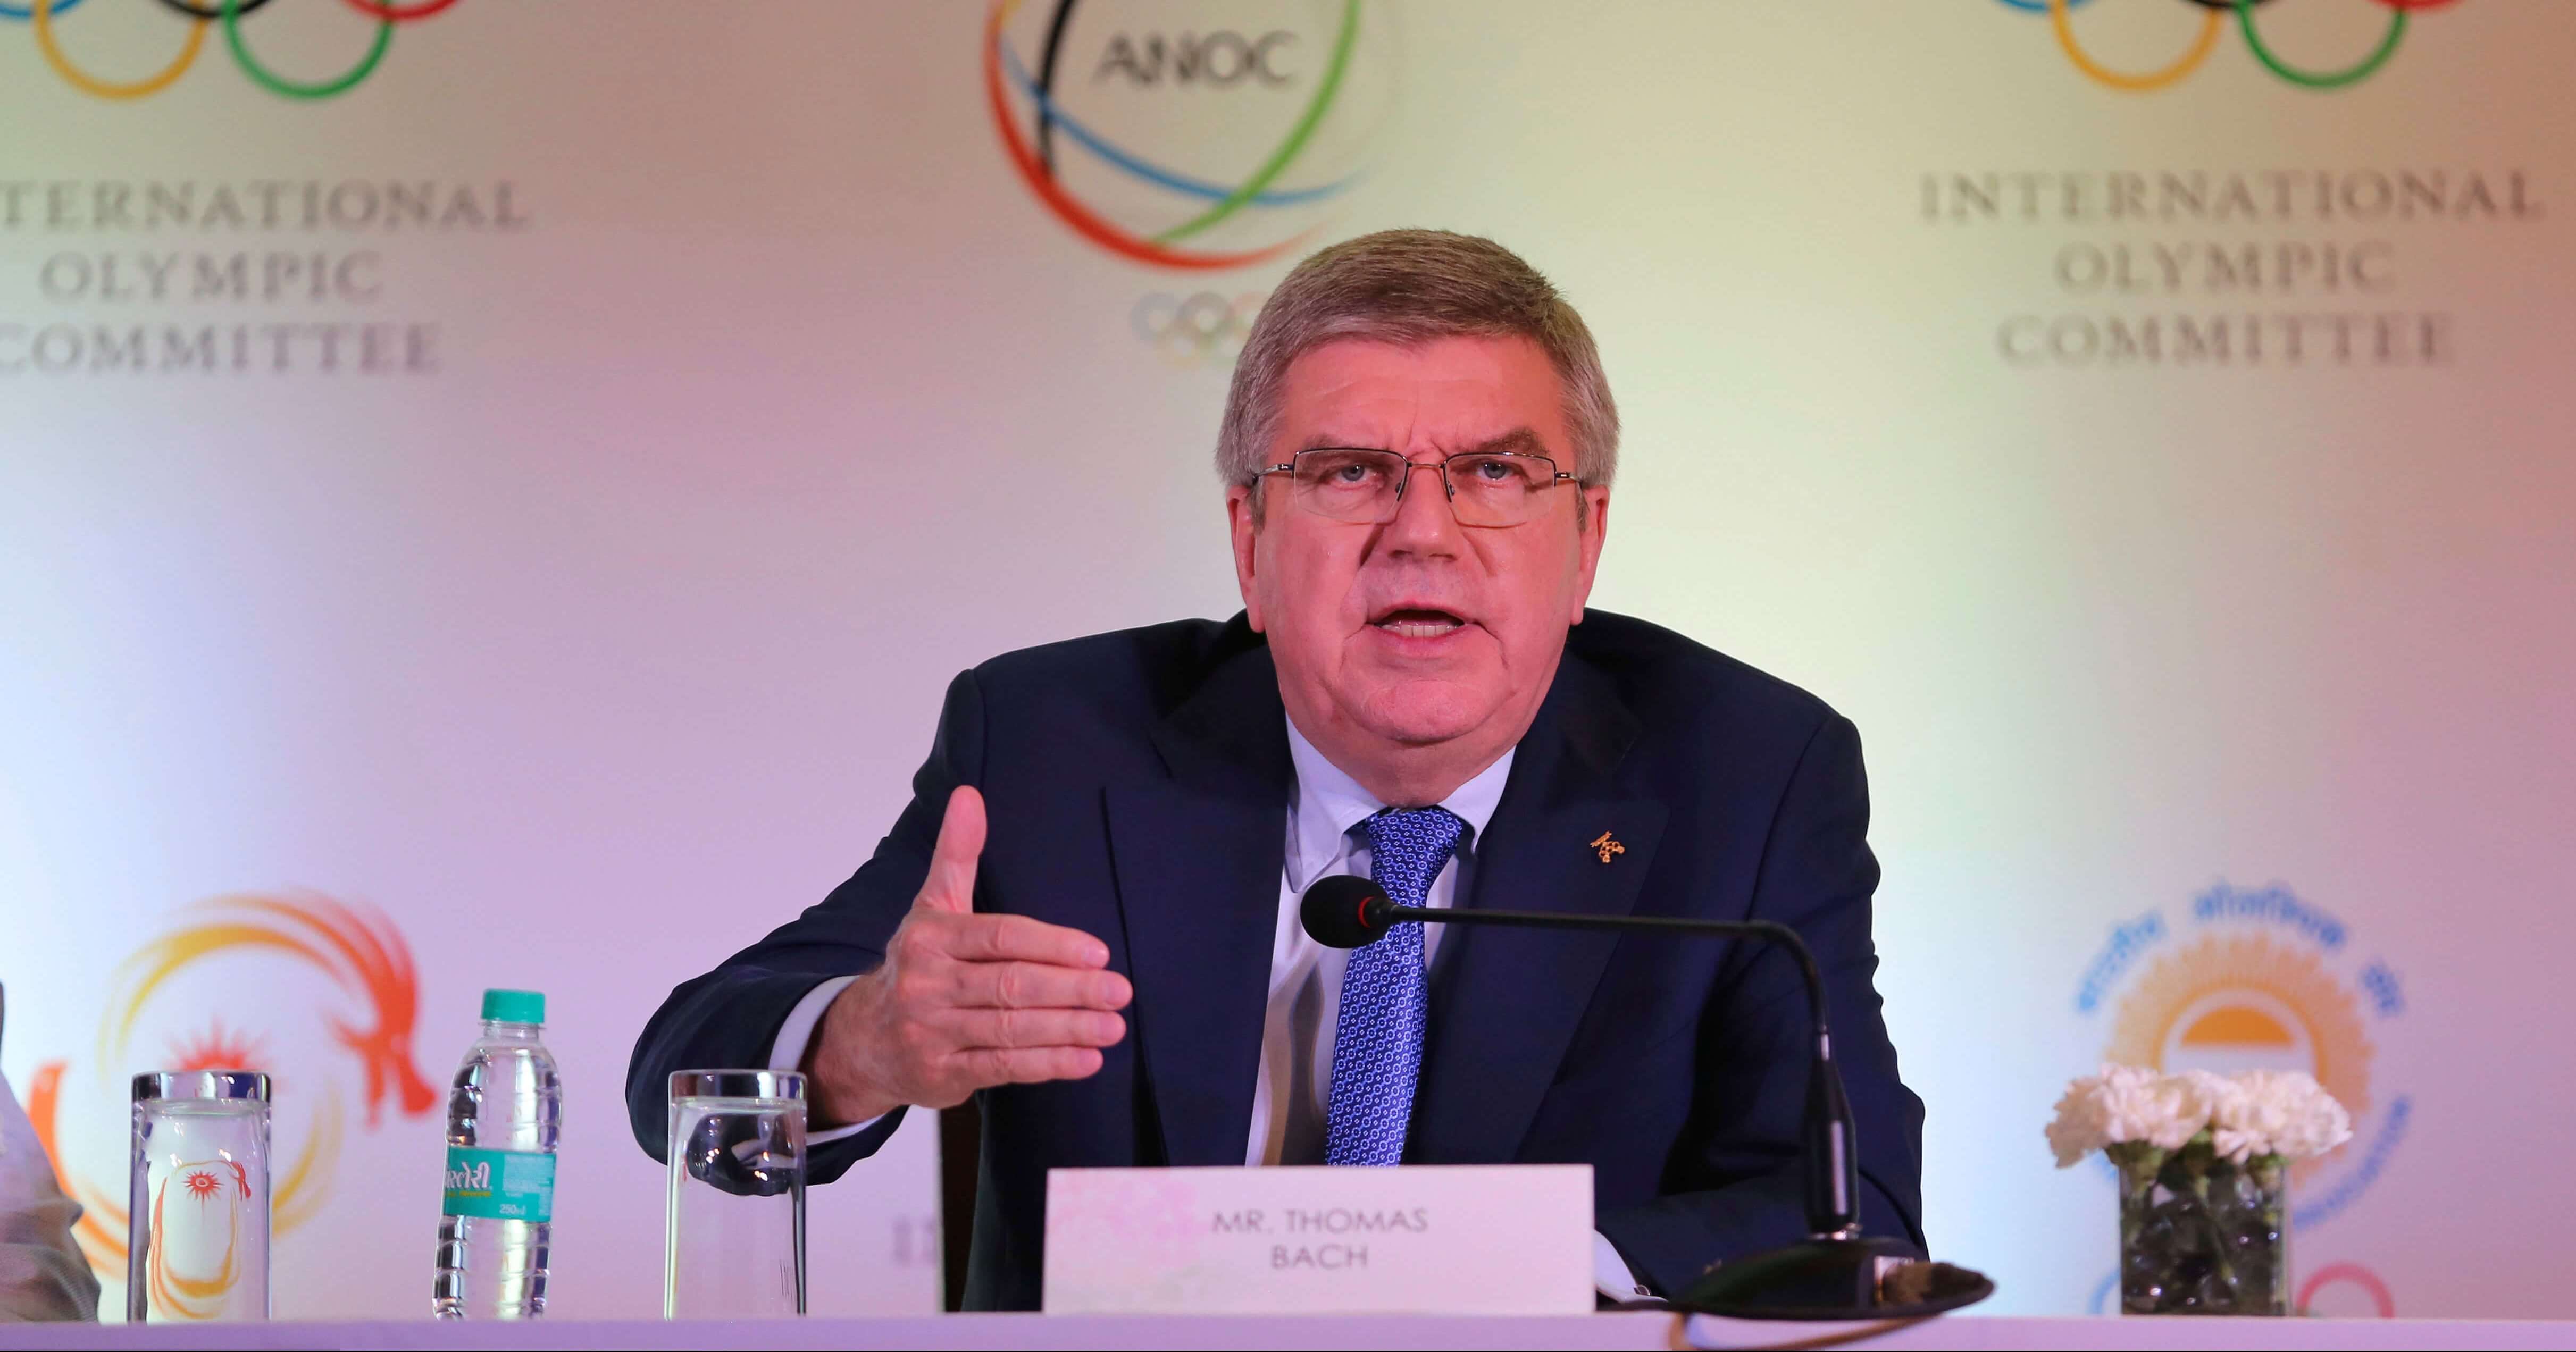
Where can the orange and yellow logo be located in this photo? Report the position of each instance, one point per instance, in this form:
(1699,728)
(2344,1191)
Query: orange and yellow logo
(2233,1002)
(179,982)
(2262,979)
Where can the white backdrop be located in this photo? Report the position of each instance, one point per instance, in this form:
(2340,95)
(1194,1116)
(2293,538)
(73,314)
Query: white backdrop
(754,391)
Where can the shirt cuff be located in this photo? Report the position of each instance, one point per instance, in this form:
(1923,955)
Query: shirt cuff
(1610,1274)
(795,1038)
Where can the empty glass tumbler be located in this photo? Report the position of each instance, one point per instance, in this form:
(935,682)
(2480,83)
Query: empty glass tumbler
(734,1245)
(197,1237)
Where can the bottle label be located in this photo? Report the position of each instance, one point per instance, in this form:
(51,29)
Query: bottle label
(501,1185)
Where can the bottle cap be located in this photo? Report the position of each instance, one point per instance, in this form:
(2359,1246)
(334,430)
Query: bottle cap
(515,1006)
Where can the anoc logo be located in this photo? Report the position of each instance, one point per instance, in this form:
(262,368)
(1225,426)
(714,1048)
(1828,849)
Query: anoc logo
(2262,979)
(44,17)
(2212,17)
(1188,135)
(259,954)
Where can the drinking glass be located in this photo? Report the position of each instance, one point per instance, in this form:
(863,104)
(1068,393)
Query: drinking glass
(197,1233)
(734,1241)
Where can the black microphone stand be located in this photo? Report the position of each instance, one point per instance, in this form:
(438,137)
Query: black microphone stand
(1836,1273)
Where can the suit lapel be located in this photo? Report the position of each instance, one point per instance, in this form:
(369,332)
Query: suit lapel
(1198,860)
(1506,1002)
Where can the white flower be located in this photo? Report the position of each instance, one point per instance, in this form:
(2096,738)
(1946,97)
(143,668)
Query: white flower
(2276,1112)
(2217,1097)
(2124,1103)
(2176,1110)
(2077,1130)
(2259,1112)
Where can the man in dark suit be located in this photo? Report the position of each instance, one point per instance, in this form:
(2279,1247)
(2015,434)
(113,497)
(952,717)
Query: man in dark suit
(1086,917)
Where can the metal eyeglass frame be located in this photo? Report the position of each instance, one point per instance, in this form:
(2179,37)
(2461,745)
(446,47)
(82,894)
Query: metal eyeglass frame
(1448,490)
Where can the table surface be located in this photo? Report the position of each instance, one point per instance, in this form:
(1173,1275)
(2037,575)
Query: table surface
(1335,1331)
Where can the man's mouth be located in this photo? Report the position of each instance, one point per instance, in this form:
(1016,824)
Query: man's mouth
(1417,622)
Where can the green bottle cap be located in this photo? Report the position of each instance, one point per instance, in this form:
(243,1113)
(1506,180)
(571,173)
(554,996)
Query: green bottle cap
(515,1006)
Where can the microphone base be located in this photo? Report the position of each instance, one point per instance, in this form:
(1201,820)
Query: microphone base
(1826,1278)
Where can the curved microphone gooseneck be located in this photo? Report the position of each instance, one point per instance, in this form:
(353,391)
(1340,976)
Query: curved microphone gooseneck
(1344,911)
(1834,1274)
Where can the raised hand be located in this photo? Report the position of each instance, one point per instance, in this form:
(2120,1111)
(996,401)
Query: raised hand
(964,1001)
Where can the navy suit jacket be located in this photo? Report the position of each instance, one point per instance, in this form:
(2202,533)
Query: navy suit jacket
(1138,785)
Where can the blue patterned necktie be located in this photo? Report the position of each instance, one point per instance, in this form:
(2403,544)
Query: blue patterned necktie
(1386,996)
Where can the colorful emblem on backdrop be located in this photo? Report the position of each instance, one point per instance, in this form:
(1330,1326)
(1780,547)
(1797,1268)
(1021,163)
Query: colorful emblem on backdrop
(2261,979)
(366,1029)
(2201,34)
(1188,135)
(43,17)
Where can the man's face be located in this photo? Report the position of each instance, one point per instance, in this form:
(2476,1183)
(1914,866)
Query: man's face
(1418,631)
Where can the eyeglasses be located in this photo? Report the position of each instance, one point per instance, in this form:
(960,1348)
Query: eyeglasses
(1366,487)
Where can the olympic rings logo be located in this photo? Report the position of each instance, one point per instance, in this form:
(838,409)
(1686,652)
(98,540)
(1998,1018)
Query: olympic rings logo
(40,15)
(1199,329)
(2213,18)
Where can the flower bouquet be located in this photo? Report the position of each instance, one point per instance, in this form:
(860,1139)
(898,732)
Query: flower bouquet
(2204,1165)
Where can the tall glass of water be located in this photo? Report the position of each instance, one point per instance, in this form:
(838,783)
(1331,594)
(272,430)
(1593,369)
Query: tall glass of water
(197,1233)
(734,1242)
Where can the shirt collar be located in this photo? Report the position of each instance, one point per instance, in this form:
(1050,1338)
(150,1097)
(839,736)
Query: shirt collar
(1328,803)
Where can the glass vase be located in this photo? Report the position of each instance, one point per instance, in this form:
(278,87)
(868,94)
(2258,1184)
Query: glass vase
(2200,1234)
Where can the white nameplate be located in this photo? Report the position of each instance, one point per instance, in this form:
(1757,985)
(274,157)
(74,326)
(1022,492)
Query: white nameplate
(1423,1239)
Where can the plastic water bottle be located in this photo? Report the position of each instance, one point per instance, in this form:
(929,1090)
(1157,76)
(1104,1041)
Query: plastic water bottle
(503,1114)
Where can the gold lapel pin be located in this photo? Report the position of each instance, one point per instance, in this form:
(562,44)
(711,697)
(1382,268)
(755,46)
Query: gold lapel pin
(1607,847)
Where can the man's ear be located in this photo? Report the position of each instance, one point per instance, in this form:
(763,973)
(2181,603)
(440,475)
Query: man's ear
(1594,527)
(1243,523)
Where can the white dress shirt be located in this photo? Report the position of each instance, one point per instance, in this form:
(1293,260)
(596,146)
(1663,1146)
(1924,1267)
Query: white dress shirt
(1293,1090)
(1325,810)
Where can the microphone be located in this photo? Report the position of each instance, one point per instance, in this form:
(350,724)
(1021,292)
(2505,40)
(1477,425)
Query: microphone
(1836,1273)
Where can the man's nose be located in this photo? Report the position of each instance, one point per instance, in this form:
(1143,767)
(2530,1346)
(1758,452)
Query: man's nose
(1424,522)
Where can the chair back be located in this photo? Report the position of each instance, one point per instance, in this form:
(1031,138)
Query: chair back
(961,1148)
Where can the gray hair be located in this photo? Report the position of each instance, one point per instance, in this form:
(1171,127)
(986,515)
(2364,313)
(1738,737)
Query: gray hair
(1414,286)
